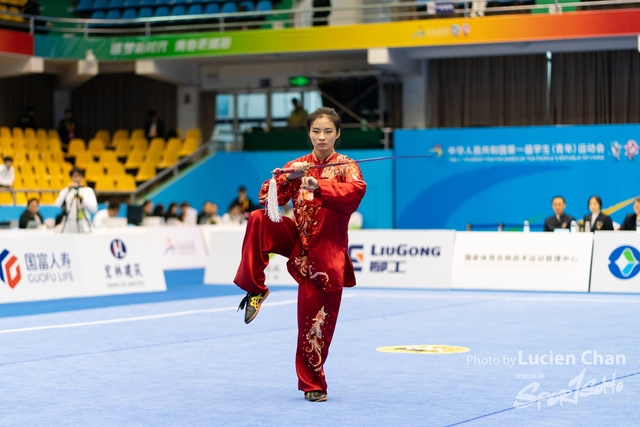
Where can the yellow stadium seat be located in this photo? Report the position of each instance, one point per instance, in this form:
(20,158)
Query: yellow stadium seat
(105,136)
(189,147)
(194,133)
(53,135)
(96,146)
(152,157)
(15,12)
(3,13)
(169,158)
(57,156)
(32,144)
(138,133)
(147,171)
(18,133)
(105,183)
(48,198)
(5,133)
(20,145)
(120,134)
(157,144)
(108,157)
(66,168)
(59,182)
(43,135)
(140,144)
(83,160)
(122,147)
(55,145)
(41,172)
(173,144)
(76,145)
(134,160)
(125,183)
(30,134)
(6,144)
(115,169)
(6,198)
(94,172)
(25,169)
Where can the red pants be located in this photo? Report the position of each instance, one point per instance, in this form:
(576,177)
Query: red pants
(317,309)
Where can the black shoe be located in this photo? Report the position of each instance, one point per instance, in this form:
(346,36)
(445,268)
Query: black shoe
(251,305)
(315,396)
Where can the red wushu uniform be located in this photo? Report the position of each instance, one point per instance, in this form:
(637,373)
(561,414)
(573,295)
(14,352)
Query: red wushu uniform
(316,244)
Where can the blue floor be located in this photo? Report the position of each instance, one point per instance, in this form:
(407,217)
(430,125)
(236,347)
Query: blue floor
(188,360)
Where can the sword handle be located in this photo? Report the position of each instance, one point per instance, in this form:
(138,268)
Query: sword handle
(280,171)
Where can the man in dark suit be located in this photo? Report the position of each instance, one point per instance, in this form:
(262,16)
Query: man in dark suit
(559,219)
(154,128)
(31,215)
(630,221)
(596,219)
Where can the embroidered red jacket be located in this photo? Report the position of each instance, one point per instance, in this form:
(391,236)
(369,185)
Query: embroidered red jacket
(322,219)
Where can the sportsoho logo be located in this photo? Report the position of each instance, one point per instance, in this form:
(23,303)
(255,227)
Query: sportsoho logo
(7,262)
(624,262)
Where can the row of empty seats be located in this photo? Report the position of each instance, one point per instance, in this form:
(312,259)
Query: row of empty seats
(117,164)
(4,13)
(182,10)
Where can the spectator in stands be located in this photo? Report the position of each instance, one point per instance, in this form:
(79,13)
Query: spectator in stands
(158,210)
(112,210)
(7,173)
(80,201)
(28,119)
(31,7)
(31,218)
(188,215)
(245,204)
(321,18)
(234,216)
(67,128)
(147,208)
(209,214)
(154,128)
(631,221)
(597,220)
(172,212)
(559,219)
(298,117)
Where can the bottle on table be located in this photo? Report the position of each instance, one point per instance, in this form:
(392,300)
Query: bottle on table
(525,227)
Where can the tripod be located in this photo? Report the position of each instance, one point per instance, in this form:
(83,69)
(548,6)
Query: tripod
(81,216)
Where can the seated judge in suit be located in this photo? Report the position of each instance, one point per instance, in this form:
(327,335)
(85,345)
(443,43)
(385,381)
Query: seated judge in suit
(631,220)
(597,219)
(559,219)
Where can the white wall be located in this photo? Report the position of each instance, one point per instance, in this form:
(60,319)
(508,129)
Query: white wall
(188,108)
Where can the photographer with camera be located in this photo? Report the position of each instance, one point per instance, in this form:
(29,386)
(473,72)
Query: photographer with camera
(80,201)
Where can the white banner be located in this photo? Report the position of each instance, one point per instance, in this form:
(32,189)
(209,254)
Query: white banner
(522,261)
(616,262)
(43,267)
(39,267)
(402,258)
(381,258)
(180,247)
(121,263)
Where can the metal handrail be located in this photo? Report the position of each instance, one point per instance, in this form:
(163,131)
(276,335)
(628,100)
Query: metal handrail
(376,12)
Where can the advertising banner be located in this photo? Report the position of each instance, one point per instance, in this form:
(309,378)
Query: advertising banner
(180,247)
(411,33)
(117,263)
(16,42)
(522,261)
(39,267)
(402,258)
(616,262)
(509,175)
(381,258)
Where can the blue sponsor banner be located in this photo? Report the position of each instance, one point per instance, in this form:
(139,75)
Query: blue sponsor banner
(509,175)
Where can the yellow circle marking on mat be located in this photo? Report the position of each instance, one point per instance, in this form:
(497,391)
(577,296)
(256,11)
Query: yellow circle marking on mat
(424,349)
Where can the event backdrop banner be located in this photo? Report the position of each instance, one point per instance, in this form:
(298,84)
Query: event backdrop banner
(522,261)
(16,42)
(616,262)
(181,247)
(411,33)
(117,263)
(39,267)
(509,175)
(381,258)
(402,258)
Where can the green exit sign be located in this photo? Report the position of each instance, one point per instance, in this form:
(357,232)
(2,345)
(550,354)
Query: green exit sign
(299,81)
